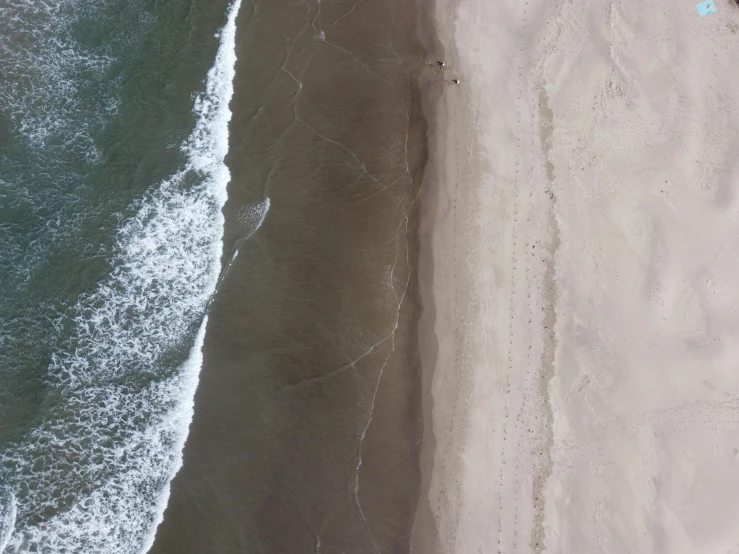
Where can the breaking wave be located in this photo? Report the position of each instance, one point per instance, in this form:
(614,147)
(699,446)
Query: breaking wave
(94,475)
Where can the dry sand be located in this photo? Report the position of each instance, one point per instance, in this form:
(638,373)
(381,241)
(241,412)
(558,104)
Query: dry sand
(580,259)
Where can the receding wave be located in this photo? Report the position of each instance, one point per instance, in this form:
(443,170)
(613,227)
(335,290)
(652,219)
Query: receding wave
(94,476)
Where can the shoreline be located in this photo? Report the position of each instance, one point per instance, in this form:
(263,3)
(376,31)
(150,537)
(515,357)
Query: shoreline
(436,104)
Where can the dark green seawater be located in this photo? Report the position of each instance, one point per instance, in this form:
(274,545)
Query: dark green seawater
(113,131)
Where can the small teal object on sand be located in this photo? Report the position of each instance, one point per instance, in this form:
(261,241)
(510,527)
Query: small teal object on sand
(704,8)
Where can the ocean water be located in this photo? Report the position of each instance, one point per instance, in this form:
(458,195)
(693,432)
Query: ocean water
(113,133)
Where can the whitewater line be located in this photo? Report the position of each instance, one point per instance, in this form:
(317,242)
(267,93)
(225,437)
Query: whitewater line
(7,523)
(224,67)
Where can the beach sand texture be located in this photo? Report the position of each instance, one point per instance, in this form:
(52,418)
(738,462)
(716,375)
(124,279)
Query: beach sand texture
(580,250)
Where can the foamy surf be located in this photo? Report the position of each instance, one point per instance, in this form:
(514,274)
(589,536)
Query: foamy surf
(94,476)
(7,518)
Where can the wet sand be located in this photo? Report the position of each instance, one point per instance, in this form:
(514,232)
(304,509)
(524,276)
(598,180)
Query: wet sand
(307,424)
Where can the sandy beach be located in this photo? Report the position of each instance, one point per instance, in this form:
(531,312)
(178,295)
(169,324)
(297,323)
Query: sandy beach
(579,249)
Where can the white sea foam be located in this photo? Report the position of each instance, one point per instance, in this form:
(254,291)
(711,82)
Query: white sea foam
(94,476)
(7,518)
(252,216)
